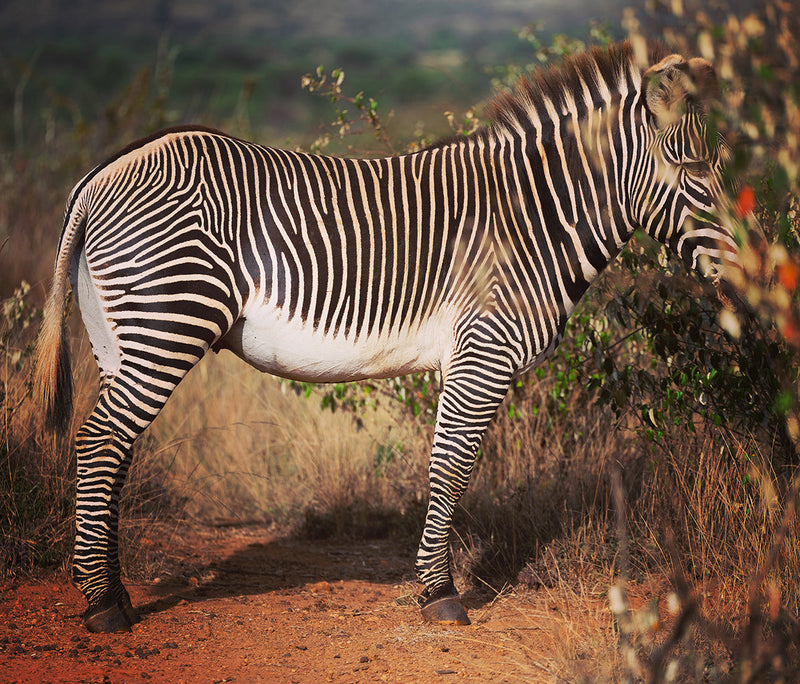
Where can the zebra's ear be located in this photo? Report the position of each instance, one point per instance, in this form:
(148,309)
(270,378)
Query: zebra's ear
(674,86)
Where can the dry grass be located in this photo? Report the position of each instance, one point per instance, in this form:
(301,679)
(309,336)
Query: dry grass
(37,471)
(241,446)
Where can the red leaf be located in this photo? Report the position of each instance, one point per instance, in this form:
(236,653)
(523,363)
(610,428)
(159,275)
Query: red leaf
(790,332)
(788,275)
(745,202)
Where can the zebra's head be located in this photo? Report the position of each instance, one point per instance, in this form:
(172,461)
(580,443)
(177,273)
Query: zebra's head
(679,195)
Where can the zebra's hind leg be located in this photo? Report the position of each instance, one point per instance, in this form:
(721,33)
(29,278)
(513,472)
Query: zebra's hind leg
(473,389)
(103,445)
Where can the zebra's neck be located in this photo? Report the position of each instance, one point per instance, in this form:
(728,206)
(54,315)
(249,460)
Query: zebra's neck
(584,123)
(561,180)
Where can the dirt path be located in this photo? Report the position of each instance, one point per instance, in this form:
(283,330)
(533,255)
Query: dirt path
(277,610)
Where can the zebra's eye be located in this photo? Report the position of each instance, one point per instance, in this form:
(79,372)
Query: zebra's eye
(698,169)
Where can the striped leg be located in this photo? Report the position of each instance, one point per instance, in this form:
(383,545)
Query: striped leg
(103,445)
(151,315)
(474,387)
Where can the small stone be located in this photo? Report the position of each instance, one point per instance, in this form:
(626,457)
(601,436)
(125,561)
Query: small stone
(363,659)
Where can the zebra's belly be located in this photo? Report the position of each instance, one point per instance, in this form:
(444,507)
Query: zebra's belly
(294,349)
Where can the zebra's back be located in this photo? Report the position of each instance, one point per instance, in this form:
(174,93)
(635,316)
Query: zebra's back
(364,266)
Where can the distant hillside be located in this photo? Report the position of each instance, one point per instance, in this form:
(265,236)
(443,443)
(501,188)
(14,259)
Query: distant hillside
(240,62)
(83,53)
(415,20)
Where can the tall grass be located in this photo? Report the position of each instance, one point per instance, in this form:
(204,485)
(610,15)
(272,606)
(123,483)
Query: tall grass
(278,457)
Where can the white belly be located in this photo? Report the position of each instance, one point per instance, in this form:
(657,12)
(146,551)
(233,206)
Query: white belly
(292,349)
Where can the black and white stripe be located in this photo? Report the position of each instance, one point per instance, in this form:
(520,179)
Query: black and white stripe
(467,257)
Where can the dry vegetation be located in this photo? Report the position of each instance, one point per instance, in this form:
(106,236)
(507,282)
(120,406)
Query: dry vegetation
(651,483)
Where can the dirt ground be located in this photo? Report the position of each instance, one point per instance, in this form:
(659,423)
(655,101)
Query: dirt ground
(246,606)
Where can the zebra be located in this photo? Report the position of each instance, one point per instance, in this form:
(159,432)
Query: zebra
(466,257)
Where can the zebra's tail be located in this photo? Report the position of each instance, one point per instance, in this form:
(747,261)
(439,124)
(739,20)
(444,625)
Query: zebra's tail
(52,376)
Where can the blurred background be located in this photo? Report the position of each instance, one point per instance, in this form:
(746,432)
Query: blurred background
(244,59)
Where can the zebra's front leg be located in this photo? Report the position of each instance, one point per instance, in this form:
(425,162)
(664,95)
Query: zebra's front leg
(473,390)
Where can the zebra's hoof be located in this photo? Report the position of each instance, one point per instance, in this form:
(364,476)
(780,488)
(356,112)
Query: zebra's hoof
(444,607)
(112,615)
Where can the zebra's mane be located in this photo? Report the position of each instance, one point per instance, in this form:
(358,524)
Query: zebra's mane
(606,72)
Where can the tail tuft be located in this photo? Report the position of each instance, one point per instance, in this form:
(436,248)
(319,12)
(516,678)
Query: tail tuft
(52,378)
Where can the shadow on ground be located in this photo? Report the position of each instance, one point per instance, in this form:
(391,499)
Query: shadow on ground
(227,569)
(256,567)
